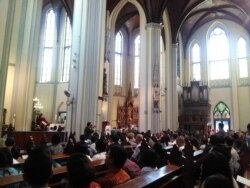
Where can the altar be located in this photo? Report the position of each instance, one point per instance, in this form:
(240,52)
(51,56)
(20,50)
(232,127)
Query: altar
(128,114)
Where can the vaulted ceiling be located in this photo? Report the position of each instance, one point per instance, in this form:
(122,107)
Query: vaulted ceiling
(185,16)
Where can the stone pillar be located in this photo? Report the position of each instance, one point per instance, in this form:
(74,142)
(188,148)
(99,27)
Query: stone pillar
(172,95)
(86,74)
(6,22)
(21,49)
(150,80)
(235,123)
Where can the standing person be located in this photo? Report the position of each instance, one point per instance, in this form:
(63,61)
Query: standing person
(42,122)
(221,131)
(88,130)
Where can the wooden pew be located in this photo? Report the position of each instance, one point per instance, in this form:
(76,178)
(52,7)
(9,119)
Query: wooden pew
(58,174)
(153,179)
(167,176)
(56,157)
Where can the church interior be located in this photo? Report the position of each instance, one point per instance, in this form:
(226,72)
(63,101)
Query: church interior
(140,65)
(129,63)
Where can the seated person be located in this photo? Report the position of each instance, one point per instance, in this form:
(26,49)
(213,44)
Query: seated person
(92,146)
(180,142)
(131,138)
(16,152)
(80,172)
(217,181)
(56,147)
(37,168)
(69,148)
(30,145)
(132,168)
(162,159)
(115,160)
(101,150)
(6,163)
(82,147)
(217,162)
(9,143)
(148,161)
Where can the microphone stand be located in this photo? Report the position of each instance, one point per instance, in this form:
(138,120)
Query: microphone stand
(70,102)
(71,120)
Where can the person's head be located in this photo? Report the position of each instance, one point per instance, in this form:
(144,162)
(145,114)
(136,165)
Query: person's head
(215,163)
(148,158)
(180,141)
(114,137)
(80,171)
(116,156)
(216,140)
(131,135)
(55,139)
(81,147)
(15,151)
(100,145)
(138,138)
(229,141)
(37,168)
(217,181)
(221,126)
(6,159)
(89,124)
(9,142)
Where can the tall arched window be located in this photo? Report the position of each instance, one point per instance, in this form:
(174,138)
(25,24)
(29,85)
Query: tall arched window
(48,45)
(66,51)
(137,62)
(218,54)
(118,58)
(196,62)
(242,57)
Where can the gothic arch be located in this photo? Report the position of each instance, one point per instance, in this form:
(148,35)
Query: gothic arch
(221,114)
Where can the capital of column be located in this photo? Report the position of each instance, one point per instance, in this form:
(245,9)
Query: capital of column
(154,26)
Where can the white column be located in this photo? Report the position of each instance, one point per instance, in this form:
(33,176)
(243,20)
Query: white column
(87,64)
(172,95)
(6,22)
(23,57)
(150,81)
(235,124)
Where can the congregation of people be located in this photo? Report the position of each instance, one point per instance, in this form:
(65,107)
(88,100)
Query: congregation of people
(129,154)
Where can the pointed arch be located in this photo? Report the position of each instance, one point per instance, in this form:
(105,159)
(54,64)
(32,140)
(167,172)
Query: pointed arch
(195,60)
(48,46)
(218,51)
(242,57)
(221,114)
(118,58)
